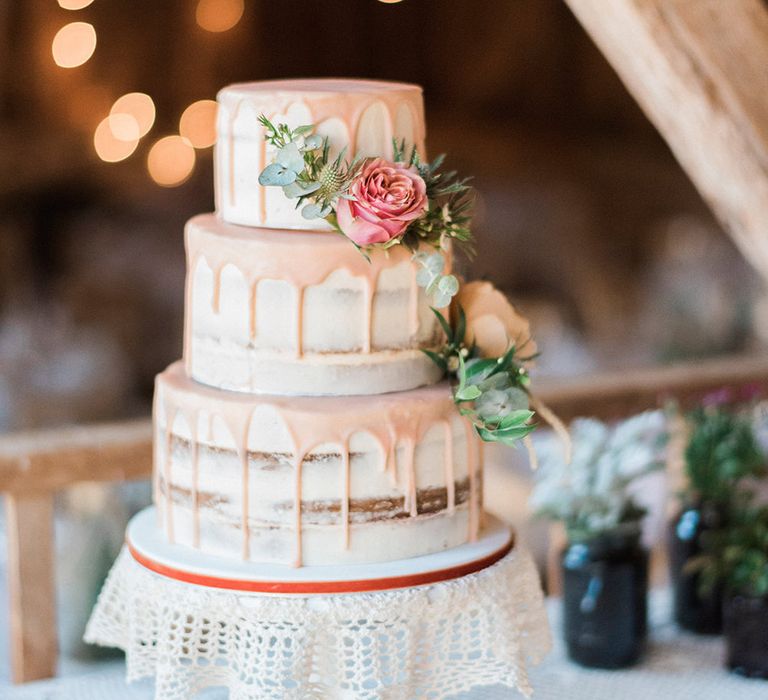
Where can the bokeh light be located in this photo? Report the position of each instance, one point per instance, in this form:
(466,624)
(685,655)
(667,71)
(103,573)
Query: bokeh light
(138,105)
(219,15)
(108,147)
(171,161)
(124,127)
(74,4)
(73,44)
(198,123)
(390,2)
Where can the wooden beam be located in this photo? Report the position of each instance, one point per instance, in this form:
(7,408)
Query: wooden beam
(620,394)
(50,460)
(31,586)
(699,70)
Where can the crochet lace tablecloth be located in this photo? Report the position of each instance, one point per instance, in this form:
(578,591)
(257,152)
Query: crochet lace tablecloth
(428,642)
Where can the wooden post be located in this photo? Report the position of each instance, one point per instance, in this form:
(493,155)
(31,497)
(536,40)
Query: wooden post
(699,70)
(31,586)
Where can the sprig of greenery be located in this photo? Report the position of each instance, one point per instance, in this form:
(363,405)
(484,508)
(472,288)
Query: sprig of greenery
(491,392)
(736,555)
(281,134)
(305,171)
(722,455)
(721,451)
(450,203)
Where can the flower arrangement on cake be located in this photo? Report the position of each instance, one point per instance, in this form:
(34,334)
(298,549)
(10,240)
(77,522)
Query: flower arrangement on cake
(378,204)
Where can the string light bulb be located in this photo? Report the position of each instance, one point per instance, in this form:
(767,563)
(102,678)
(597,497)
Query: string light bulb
(198,123)
(171,160)
(139,106)
(218,15)
(74,4)
(73,44)
(109,147)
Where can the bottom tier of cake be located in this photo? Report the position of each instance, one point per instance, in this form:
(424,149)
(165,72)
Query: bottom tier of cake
(314,481)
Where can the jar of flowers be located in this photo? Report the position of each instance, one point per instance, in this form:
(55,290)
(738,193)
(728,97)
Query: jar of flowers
(735,559)
(721,452)
(604,564)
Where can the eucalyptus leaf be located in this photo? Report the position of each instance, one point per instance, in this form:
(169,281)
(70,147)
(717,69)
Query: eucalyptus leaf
(423,277)
(312,211)
(448,285)
(313,142)
(441,299)
(277,175)
(300,189)
(290,157)
(435,263)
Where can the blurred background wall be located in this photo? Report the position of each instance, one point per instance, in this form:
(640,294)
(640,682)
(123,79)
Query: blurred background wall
(583,215)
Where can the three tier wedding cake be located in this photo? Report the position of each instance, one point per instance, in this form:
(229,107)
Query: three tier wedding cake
(338,380)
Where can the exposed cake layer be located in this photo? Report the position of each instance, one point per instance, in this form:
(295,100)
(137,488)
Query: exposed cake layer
(362,116)
(302,313)
(321,480)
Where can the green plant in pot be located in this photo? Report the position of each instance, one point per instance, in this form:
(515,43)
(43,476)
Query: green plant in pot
(721,452)
(735,559)
(604,565)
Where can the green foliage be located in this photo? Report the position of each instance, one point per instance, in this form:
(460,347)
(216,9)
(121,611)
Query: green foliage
(737,554)
(722,454)
(450,203)
(490,392)
(721,451)
(304,170)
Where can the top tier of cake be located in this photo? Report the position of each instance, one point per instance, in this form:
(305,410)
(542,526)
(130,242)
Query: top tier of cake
(363,116)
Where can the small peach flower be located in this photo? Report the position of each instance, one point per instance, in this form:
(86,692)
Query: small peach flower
(493,324)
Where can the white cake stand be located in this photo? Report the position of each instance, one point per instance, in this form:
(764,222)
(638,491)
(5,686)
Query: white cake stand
(428,627)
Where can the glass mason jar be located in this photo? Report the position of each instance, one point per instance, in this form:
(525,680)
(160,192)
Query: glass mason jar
(745,624)
(693,611)
(605,586)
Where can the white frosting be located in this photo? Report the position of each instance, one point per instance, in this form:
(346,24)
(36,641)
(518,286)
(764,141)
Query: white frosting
(362,324)
(360,115)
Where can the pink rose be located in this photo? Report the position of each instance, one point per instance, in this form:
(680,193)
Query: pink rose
(388,196)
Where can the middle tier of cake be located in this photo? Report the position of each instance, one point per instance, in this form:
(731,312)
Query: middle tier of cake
(314,480)
(302,313)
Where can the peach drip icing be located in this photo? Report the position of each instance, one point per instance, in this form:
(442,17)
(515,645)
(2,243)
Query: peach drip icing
(348,107)
(472,456)
(167,464)
(316,422)
(261,261)
(450,478)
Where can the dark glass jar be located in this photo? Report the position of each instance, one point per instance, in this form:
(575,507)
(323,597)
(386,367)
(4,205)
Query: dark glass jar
(745,624)
(694,611)
(605,586)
